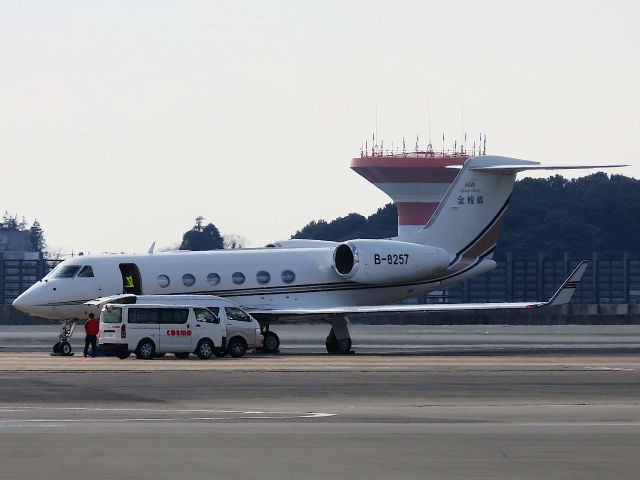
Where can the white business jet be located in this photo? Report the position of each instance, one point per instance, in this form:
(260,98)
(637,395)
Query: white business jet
(302,279)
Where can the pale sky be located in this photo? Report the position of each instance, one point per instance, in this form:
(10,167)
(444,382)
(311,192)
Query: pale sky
(120,122)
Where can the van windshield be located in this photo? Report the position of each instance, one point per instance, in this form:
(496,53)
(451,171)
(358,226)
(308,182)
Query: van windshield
(111,315)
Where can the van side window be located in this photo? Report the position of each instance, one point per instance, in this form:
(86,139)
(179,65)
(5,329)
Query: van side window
(143,315)
(173,315)
(86,272)
(215,310)
(204,315)
(234,313)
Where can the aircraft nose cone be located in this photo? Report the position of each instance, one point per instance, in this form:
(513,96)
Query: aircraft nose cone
(19,303)
(25,302)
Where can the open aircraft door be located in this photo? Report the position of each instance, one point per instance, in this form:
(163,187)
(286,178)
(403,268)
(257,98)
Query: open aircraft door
(131,278)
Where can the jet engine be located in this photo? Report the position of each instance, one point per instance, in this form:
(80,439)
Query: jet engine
(388,261)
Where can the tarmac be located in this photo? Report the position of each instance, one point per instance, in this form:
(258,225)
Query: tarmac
(483,406)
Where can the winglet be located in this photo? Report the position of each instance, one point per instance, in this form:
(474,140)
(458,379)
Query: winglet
(568,288)
(152,248)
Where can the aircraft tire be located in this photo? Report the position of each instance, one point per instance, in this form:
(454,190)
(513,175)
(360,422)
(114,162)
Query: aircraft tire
(331,343)
(344,346)
(146,350)
(237,347)
(205,349)
(56,347)
(270,343)
(337,347)
(65,349)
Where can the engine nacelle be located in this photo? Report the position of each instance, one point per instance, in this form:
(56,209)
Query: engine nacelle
(388,261)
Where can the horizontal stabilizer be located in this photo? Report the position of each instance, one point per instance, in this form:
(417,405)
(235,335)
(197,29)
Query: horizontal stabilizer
(521,168)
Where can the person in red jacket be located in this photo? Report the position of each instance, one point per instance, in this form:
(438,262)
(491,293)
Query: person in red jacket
(91,329)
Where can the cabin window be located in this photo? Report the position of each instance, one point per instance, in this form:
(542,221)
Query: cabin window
(238,278)
(163,281)
(288,276)
(66,272)
(213,279)
(86,272)
(188,280)
(263,277)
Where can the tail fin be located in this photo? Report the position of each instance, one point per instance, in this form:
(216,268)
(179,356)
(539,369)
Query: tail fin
(468,221)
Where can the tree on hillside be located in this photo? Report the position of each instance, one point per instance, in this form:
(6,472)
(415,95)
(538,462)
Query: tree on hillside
(10,223)
(36,236)
(201,237)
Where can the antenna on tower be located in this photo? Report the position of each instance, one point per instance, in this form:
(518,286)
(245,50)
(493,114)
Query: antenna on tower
(463,136)
(429,114)
(376,118)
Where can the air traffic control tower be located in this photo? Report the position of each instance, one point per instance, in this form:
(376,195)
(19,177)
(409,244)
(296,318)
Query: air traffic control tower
(416,181)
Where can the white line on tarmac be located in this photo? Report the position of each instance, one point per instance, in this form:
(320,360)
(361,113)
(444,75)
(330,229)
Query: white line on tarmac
(615,369)
(239,414)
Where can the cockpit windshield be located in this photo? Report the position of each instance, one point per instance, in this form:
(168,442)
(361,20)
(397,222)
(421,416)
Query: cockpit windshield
(68,271)
(86,271)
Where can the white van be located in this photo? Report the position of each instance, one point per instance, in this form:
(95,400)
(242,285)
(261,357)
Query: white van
(242,330)
(149,330)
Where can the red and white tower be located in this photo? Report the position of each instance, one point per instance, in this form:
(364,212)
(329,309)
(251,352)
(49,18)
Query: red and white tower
(415,181)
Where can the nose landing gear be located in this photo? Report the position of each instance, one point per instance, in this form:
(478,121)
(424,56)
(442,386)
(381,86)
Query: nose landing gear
(62,346)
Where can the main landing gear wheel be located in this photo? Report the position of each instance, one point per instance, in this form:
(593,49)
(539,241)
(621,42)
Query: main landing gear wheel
(337,347)
(270,343)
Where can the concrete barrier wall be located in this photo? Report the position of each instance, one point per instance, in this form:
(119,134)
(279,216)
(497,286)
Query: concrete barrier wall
(11,316)
(604,314)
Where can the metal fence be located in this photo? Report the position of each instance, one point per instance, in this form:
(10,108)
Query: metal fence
(18,275)
(514,280)
(605,281)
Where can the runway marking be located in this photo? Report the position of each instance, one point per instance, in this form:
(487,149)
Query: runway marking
(231,415)
(603,423)
(615,369)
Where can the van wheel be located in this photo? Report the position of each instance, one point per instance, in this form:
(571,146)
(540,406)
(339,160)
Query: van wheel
(182,355)
(124,355)
(237,347)
(219,352)
(146,349)
(204,349)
